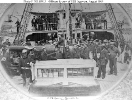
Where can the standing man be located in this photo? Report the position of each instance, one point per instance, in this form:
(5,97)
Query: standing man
(58,54)
(61,44)
(25,68)
(78,20)
(43,22)
(44,54)
(5,45)
(31,55)
(87,22)
(113,53)
(37,22)
(85,52)
(46,23)
(92,47)
(53,22)
(40,23)
(103,62)
(37,54)
(49,23)
(17,25)
(6,62)
(106,43)
(34,23)
(67,53)
(126,54)
(98,49)
(95,23)
(77,53)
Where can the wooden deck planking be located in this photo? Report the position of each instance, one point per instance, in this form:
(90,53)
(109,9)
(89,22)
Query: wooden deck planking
(111,80)
(105,85)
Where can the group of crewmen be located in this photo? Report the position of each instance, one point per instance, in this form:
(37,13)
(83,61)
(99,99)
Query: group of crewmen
(101,51)
(44,23)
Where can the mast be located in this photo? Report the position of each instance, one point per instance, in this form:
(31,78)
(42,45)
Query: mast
(70,22)
(19,38)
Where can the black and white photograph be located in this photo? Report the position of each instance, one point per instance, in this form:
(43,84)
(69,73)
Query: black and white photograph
(65,49)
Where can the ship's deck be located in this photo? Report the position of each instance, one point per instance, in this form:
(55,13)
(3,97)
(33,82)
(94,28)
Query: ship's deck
(103,85)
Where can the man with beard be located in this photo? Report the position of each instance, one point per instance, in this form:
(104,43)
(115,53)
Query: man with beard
(25,68)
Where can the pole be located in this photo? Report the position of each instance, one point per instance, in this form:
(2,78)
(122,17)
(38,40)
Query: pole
(70,22)
(67,23)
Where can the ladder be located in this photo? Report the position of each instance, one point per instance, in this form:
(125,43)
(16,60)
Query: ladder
(119,35)
(23,24)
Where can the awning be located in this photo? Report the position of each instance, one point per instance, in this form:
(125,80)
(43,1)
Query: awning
(93,14)
(42,14)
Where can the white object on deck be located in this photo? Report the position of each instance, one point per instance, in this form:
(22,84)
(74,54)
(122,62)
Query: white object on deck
(64,64)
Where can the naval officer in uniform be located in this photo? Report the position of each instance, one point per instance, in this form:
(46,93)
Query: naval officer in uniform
(25,68)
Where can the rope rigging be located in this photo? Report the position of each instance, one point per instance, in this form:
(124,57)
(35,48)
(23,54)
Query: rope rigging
(23,23)
(118,33)
(28,8)
(49,7)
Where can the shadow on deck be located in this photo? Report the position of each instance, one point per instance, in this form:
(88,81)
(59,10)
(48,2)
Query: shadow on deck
(65,91)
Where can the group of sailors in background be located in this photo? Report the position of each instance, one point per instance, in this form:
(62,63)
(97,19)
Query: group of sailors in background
(51,23)
(44,23)
(104,52)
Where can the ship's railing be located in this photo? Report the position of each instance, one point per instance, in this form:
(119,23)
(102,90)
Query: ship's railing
(82,25)
(46,26)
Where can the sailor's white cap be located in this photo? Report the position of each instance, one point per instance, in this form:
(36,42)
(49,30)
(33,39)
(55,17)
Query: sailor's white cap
(29,47)
(112,43)
(43,47)
(24,50)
